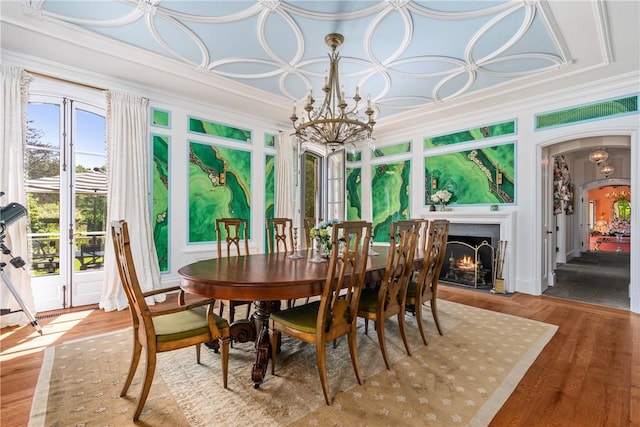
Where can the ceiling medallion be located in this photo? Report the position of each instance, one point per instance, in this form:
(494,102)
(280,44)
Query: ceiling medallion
(607,170)
(598,156)
(333,124)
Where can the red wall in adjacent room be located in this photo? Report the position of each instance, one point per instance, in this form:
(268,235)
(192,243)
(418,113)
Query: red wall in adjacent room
(604,206)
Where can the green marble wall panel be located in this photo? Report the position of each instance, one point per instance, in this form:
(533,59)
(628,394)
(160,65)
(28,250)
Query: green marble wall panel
(589,112)
(467,135)
(160,202)
(354,157)
(219,187)
(269,140)
(472,175)
(390,150)
(160,118)
(354,194)
(269,190)
(211,128)
(391,201)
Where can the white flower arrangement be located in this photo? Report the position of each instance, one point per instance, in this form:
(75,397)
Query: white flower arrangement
(441,196)
(322,233)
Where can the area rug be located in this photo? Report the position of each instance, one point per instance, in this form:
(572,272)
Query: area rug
(460,378)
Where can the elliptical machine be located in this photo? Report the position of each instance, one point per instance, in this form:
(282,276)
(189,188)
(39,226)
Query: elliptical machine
(9,214)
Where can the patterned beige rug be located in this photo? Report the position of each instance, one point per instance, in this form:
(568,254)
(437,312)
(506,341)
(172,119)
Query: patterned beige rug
(461,378)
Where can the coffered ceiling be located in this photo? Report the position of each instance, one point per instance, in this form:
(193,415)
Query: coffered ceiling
(407,56)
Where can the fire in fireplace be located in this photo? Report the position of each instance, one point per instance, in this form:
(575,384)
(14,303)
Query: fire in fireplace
(468,261)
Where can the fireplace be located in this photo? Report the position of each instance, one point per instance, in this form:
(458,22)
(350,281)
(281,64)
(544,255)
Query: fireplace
(474,227)
(468,261)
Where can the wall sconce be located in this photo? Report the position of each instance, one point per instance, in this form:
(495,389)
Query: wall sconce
(223,178)
(434,183)
(499,178)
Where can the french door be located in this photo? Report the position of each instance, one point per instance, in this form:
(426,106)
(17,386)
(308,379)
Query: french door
(65,164)
(323,185)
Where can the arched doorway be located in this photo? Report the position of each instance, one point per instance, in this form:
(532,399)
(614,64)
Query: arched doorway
(568,234)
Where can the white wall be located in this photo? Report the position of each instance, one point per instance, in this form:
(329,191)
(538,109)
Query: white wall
(527,245)
(530,165)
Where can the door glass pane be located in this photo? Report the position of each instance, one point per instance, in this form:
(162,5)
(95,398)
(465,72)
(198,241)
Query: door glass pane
(311,189)
(335,185)
(90,185)
(43,187)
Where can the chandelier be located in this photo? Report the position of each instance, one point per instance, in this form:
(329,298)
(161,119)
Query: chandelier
(333,123)
(618,195)
(598,156)
(607,170)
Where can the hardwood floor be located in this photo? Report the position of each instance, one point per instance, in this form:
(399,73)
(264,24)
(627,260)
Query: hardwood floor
(588,374)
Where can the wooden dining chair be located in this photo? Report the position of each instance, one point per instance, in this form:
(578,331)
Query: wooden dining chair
(279,235)
(280,239)
(234,233)
(336,313)
(388,298)
(425,288)
(163,329)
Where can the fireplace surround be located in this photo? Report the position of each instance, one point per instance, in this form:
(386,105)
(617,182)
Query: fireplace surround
(498,225)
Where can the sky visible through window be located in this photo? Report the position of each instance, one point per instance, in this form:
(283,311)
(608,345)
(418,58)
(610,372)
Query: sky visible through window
(90,132)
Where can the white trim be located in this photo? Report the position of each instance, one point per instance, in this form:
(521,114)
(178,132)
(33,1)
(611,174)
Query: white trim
(505,219)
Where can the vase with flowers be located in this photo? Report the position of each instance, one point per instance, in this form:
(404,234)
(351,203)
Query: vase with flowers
(441,197)
(321,234)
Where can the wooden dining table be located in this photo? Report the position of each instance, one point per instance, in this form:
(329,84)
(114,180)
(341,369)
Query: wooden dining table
(265,279)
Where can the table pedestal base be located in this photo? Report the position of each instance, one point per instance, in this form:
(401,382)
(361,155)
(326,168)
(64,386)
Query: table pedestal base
(254,329)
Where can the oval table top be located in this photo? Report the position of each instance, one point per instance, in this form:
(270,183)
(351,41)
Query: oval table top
(262,277)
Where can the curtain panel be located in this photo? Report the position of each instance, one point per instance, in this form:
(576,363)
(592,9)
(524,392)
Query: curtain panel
(128,157)
(563,188)
(287,181)
(15,87)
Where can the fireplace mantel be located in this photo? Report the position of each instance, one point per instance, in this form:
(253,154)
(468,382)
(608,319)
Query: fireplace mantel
(506,221)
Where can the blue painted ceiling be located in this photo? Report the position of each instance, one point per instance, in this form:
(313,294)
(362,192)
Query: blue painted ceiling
(403,54)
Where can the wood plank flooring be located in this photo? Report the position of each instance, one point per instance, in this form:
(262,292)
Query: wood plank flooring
(588,374)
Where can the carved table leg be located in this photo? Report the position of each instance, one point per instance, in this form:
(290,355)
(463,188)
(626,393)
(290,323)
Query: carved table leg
(263,346)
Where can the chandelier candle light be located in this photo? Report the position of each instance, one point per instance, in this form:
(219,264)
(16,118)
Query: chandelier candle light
(333,124)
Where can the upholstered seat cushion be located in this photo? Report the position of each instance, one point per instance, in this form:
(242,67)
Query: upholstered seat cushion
(411,291)
(185,324)
(301,317)
(368,300)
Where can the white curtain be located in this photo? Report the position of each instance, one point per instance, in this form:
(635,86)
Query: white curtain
(15,84)
(287,186)
(128,156)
